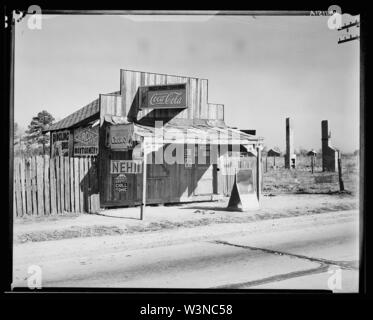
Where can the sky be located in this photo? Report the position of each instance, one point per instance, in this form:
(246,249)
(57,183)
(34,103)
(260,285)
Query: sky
(263,68)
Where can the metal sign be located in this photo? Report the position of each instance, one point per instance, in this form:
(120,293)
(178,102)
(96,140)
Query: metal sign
(245,181)
(126,166)
(120,137)
(243,196)
(85,151)
(163,96)
(120,183)
(86,141)
(60,143)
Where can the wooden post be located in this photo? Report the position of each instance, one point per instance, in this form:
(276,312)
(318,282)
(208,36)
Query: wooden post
(40,184)
(143,202)
(28,186)
(52,183)
(341,184)
(258,172)
(46,186)
(312,158)
(266,163)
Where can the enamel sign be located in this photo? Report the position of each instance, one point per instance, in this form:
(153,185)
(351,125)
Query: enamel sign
(164,96)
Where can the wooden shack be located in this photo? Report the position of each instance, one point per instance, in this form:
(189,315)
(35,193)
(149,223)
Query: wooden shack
(122,130)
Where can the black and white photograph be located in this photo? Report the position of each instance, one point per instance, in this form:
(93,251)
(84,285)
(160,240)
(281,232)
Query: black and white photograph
(186,150)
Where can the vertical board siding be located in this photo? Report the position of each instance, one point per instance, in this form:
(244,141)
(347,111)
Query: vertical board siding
(62,175)
(130,81)
(17,188)
(33,187)
(110,104)
(76,184)
(28,186)
(45,186)
(53,187)
(81,179)
(67,184)
(22,185)
(72,189)
(40,185)
(85,185)
(58,184)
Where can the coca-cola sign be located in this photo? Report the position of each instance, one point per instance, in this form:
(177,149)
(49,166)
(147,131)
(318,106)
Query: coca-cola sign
(163,96)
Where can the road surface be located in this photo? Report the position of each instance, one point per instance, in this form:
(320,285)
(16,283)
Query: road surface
(316,251)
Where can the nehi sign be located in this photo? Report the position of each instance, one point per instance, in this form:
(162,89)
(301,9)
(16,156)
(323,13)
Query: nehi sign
(126,166)
(164,96)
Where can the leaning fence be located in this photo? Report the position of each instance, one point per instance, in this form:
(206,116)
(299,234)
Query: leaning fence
(46,186)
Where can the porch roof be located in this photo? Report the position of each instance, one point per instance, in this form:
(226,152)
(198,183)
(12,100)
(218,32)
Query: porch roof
(196,133)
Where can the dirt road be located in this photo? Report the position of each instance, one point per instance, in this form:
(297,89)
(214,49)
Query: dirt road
(294,252)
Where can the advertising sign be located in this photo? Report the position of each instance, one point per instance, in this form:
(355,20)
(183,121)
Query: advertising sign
(243,197)
(126,166)
(120,137)
(60,143)
(86,141)
(163,96)
(120,183)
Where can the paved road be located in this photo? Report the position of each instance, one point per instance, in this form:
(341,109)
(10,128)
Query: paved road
(306,252)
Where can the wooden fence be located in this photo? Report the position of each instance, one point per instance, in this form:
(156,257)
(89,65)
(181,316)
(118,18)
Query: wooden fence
(45,186)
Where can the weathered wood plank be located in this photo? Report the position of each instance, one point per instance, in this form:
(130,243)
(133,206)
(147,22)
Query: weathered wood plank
(52,183)
(23,185)
(95,196)
(72,194)
(81,181)
(76,184)
(40,184)
(85,185)
(67,184)
(58,184)
(17,188)
(46,186)
(14,197)
(89,165)
(34,186)
(203,107)
(62,177)
(28,186)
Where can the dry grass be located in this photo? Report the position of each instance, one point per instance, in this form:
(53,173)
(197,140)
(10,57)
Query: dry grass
(302,180)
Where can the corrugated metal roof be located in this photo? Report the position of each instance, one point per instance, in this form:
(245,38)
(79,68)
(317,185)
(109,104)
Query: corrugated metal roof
(198,134)
(78,116)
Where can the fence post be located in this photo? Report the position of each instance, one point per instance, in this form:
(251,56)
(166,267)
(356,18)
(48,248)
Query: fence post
(17,189)
(22,185)
(40,184)
(72,193)
(266,163)
(258,172)
(76,184)
(341,184)
(46,186)
(62,177)
(52,183)
(81,181)
(67,183)
(28,186)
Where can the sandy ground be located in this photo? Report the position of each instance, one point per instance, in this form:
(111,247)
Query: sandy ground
(292,252)
(126,220)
